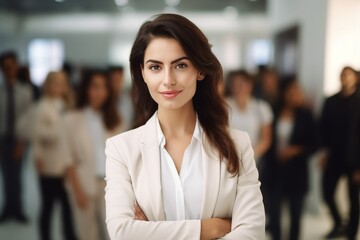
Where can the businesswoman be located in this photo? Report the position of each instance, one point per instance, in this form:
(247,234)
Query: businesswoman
(182,173)
(49,146)
(286,171)
(87,128)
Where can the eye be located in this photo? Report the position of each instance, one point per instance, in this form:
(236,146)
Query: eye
(181,65)
(155,67)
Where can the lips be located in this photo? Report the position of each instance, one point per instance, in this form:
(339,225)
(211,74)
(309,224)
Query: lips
(170,93)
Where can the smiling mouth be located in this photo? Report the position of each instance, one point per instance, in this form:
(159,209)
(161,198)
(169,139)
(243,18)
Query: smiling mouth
(170,94)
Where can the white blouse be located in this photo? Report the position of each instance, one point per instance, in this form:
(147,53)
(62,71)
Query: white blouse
(284,129)
(97,136)
(251,119)
(182,193)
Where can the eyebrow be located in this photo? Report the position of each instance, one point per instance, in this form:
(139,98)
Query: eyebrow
(172,62)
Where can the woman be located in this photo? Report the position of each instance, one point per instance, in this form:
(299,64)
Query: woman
(182,174)
(49,147)
(294,140)
(87,128)
(340,135)
(248,113)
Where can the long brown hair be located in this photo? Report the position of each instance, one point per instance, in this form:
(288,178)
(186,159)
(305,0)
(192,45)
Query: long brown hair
(210,106)
(111,118)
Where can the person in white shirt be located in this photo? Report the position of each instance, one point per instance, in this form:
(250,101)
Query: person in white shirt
(182,173)
(87,128)
(247,113)
(49,149)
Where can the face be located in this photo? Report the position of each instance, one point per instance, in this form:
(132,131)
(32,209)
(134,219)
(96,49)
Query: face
(241,86)
(10,68)
(58,86)
(97,92)
(270,82)
(169,74)
(294,96)
(348,79)
(116,80)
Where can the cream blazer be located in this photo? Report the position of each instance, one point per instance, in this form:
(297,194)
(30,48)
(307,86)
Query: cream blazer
(49,142)
(80,149)
(133,175)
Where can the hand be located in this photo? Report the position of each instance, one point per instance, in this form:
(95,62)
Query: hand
(39,165)
(288,153)
(139,214)
(214,228)
(356,177)
(323,161)
(18,151)
(81,199)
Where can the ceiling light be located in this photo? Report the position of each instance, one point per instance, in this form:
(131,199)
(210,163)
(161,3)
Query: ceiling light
(231,12)
(170,9)
(59,1)
(172,3)
(121,3)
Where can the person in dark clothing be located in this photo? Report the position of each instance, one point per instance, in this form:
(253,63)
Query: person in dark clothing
(15,99)
(25,78)
(340,134)
(294,140)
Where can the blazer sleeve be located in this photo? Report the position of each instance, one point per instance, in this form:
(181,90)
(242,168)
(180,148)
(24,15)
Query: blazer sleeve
(120,199)
(248,215)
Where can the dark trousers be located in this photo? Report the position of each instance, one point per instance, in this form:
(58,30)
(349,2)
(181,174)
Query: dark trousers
(331,177)
(296,202)
(53,190)
(11,172)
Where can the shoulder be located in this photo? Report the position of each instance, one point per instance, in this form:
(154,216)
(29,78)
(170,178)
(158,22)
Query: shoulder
(240,138)
(126,144)
(73,116)
(244,148)
(127,137)
(332,98)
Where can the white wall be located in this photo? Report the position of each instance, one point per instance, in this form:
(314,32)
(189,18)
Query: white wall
(100,39)
(311,17)
(343,41)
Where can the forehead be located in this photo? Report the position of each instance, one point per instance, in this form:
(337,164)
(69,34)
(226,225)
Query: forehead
(164,49)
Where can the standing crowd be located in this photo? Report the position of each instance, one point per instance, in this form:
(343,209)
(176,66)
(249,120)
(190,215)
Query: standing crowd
(66,125)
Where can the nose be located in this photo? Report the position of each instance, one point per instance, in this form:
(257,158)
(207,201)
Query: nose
(169,78)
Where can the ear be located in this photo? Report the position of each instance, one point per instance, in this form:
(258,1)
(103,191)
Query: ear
(200,76)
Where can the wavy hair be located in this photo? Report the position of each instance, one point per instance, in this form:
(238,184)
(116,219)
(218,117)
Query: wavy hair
(209,105)
(111,118)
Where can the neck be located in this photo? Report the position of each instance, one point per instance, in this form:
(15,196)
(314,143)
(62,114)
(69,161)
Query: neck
(348,91)
(95,109)
(242,101)
(177,122)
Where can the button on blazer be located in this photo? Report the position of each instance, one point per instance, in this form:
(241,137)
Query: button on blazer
(133,175)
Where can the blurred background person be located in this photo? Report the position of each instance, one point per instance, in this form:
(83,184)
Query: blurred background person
(268,86)
(294,140)
(15,98)
(25,78)
(95,120)
(248,113)
(122,98)
(340,131)
(252,115)
(49,153)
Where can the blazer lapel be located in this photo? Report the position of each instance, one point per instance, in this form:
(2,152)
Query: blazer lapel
(151,157)
(211,166)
